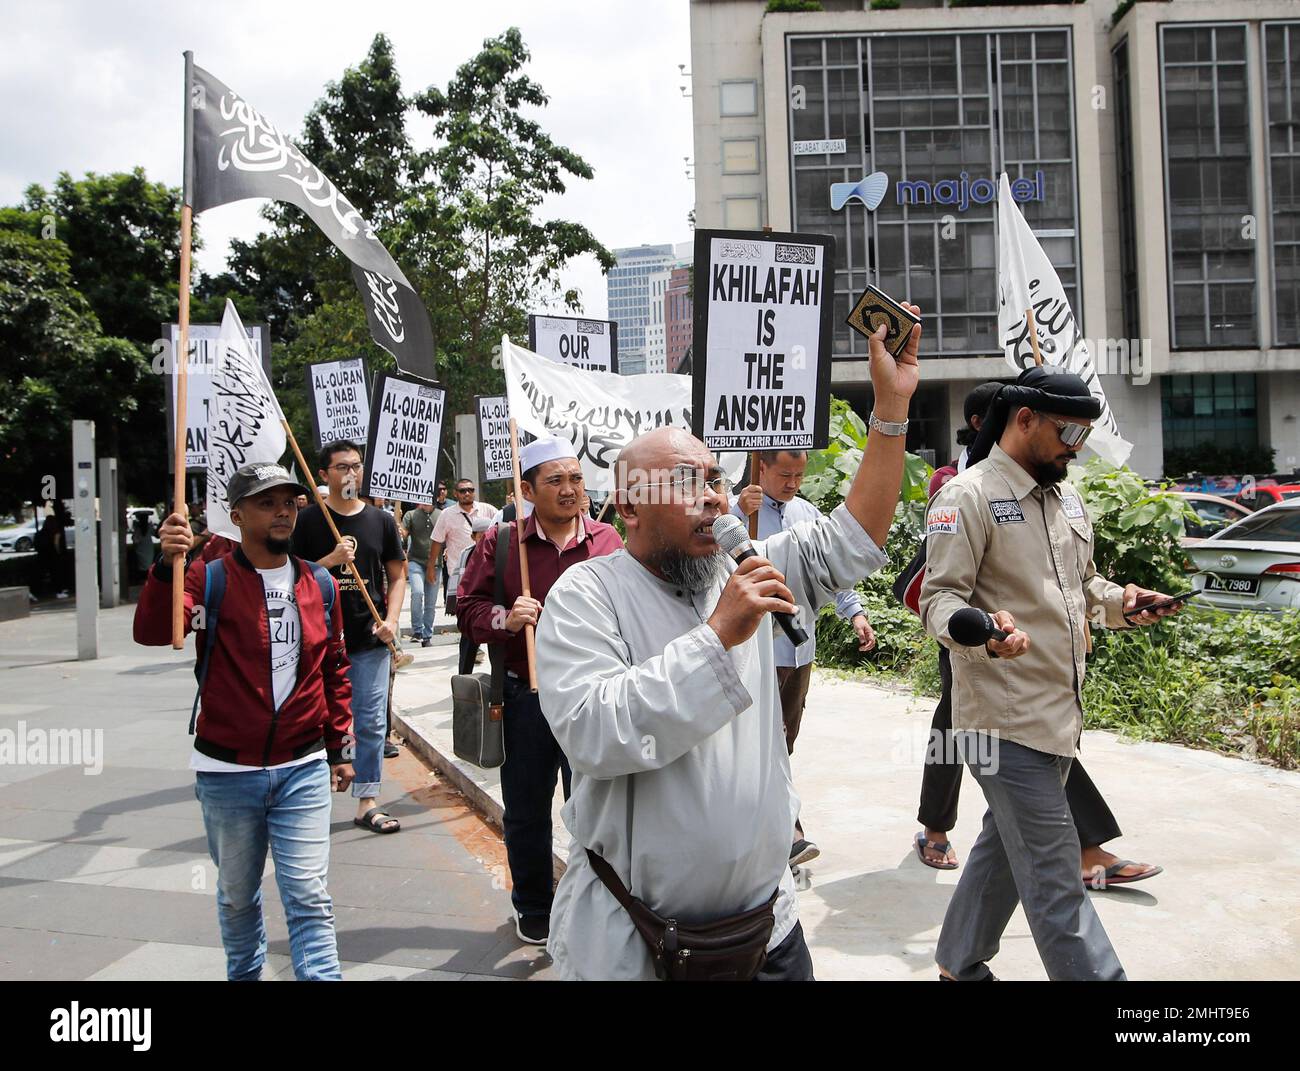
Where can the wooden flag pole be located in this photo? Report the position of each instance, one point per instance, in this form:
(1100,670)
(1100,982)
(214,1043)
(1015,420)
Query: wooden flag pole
(1033,337)
(530,636)
(753,478)
(605,508)
(181,356)
(400,658)
(180,363)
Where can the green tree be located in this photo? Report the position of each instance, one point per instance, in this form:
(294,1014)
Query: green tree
(55,364)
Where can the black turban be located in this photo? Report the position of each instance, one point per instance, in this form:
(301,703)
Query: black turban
(1042,388)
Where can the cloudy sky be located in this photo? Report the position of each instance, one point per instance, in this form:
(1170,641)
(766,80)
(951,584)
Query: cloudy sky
(98,87)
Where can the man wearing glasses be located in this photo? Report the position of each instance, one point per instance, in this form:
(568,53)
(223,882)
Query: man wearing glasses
(453,531)
(657,675)
(1007,536)
(556,536)
(774,495)
(369,540)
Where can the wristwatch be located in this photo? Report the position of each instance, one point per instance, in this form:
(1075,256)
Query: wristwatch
(887,427)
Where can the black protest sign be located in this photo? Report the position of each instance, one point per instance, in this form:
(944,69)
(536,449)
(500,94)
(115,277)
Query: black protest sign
(762,359)
(405,436)
(338,400)
(591,345)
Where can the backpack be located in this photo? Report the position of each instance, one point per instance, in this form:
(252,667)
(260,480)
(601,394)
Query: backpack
(214,591)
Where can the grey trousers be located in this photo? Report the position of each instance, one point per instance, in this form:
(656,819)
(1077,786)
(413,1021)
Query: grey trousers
(1028,853)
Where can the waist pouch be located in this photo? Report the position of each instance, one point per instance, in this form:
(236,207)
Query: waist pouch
(731,949)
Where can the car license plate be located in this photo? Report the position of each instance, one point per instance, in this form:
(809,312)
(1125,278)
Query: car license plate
(1233,585)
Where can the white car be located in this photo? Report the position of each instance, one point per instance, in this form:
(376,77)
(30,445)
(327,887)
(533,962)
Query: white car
(1253,564)
(18,538)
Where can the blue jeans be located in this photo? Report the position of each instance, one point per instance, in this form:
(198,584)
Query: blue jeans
(369,676)
(289,810)
(424,594)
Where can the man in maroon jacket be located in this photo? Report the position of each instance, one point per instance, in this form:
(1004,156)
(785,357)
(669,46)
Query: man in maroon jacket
(274,733)
(556,535)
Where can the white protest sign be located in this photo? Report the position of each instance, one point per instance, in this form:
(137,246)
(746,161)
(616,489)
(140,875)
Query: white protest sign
(762,360)
(599,412)
(405,435)
(494,437)
(340,406)
(204,347)
(591,345)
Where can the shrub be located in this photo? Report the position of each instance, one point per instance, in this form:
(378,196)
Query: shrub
(778,7)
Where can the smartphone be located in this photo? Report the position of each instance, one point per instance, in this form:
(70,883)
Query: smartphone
(1161,604)
(873,308)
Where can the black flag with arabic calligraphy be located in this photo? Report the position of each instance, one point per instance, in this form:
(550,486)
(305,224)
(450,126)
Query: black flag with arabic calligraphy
(239,153)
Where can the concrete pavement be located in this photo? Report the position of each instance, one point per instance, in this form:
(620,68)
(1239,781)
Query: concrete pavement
(106,875)
(1227,906)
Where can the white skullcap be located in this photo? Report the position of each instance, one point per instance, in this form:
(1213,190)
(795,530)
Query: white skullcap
(539,451)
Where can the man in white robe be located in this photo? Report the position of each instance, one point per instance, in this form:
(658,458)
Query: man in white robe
(656,674)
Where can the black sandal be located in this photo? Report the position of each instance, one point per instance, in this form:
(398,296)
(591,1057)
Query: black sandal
(367,821)
(939,846)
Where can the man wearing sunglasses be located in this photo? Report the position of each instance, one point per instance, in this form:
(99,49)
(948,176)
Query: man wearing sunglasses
(1007,536)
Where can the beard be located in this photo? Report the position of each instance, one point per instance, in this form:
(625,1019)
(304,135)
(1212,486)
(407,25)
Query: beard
(693,574)
(1048,473)
(278,546)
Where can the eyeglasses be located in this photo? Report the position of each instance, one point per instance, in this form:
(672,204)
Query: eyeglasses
(347,468)
(464,490)
(693,487)
(1072,435)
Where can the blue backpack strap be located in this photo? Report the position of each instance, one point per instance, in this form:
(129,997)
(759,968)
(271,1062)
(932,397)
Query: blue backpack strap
(327,590)
(214,590)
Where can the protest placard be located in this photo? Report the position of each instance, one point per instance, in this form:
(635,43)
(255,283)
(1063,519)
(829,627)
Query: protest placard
(406,415)
(338,400)
(762,360)
(591,345)
(494,437)
(204,349)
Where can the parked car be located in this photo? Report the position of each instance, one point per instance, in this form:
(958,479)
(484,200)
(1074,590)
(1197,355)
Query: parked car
(1268,494)
(1213,513)
(1253,564)
(20,538)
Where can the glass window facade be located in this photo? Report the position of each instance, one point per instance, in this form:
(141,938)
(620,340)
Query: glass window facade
(1215,410)
(928,107)
(1208,186)
(1127,212)
(1282,104)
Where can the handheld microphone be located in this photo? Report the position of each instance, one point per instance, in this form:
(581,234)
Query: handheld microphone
(732,538)
(973,627)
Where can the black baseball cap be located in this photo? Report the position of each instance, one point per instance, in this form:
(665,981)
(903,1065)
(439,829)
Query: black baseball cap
(258,477)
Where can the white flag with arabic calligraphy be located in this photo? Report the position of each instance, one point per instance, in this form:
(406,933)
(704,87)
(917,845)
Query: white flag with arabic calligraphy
(243,419)
(1026,279)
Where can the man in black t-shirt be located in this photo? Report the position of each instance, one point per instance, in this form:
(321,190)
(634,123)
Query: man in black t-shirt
(371,541)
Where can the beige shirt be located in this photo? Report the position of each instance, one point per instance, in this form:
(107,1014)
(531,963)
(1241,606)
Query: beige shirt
(998,541)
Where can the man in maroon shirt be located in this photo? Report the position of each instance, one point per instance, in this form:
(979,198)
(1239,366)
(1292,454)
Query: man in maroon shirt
(556,535)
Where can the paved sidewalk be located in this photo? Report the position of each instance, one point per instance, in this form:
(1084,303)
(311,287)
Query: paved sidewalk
(107,876)
(1227,906)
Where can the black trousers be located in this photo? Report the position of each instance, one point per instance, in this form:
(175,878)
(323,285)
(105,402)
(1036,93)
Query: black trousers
(941,780)
(790,961)
(468,652)
(533,759)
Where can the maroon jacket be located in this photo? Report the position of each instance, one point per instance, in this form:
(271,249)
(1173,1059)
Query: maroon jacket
(238,721)
(476,597)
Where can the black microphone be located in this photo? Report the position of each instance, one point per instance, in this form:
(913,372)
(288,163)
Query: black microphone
(732,538)
(973,627)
